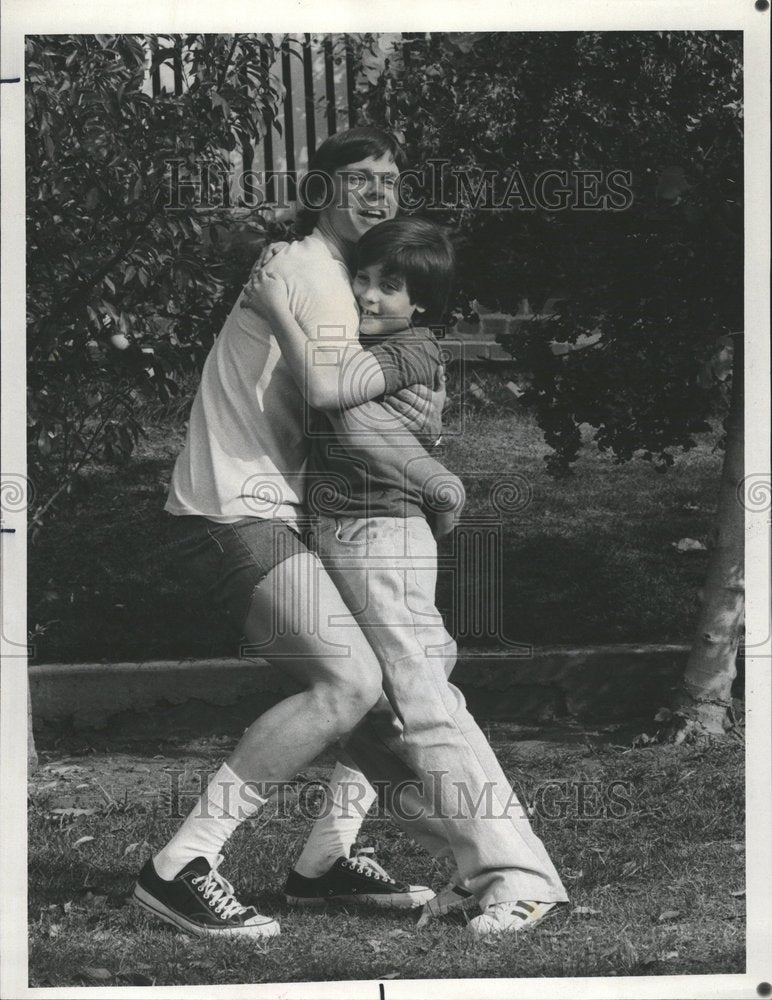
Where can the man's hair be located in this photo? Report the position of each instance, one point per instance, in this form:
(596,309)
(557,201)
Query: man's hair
(417,251)
(337,151)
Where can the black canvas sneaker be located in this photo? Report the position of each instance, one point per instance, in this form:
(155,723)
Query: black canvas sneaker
(355,880)
(200,901)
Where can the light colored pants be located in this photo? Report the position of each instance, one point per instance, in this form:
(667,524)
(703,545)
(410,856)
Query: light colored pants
(386,571)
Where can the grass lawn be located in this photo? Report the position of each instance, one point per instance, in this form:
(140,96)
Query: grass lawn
(657,889)
(588,560)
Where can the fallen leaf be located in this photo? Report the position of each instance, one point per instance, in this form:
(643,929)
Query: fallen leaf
(689,545)
(390,975)
(131,847)
(738,847)
(399,933)
(98,974)
(739,894)
(668,955)
(71,812)
(82,840)
(584,911)
(54,929)
(668,915)
(95,900)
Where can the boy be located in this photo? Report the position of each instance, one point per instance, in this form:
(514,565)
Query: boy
(375,542)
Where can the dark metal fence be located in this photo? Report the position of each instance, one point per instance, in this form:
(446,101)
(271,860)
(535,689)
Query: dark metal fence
(318,79)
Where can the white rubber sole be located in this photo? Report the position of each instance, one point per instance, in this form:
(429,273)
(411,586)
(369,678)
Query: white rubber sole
(496,931)
(268,928)
(401,901)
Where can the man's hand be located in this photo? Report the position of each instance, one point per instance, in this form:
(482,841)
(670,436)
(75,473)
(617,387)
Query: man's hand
(266,294)
(419,409)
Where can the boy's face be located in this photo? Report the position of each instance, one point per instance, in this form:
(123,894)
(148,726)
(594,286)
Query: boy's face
(383,300)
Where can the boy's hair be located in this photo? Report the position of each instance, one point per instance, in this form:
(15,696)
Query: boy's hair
(337,151)
(417,251)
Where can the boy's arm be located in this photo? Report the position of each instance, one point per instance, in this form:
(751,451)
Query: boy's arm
(419,407)
(332,373)
(393,454)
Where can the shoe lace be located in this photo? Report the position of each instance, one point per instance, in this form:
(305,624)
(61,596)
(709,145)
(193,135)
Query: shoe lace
(219,893)
(366,865)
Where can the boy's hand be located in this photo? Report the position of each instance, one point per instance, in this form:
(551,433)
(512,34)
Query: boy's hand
(442,524)
(264,293)
(269,252)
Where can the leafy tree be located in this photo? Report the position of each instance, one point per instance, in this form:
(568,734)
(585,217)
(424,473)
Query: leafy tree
(648,286)
(129,276)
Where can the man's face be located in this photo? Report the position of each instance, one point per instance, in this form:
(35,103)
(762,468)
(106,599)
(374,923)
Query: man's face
(365,194)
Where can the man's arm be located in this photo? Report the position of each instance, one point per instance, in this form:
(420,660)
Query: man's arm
(419,408)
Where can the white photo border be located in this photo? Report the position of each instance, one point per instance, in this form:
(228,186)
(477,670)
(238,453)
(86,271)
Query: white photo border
(23,17)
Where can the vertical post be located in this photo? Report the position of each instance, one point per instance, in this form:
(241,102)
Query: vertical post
(308,86)
(289,123)
(350,96)
(329,81)
(155,78)
(247,185)
(270,180)
(177,65)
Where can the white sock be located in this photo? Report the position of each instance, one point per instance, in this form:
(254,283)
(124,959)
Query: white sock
(226,803)
(332,835)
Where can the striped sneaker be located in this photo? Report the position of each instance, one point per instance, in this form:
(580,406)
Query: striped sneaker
(355,880)
(506,918)
(451,899)
(201,902)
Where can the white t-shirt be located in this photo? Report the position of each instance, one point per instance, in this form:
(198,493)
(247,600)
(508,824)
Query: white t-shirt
(245,451)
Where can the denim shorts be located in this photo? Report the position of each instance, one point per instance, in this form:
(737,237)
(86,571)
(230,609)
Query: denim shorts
(226,562)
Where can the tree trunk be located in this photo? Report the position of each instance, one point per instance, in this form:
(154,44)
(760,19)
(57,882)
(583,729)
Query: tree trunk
(32,755)
(701,704)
